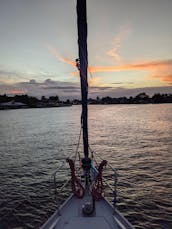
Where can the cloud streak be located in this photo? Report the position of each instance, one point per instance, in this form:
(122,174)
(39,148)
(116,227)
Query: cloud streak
(136,66)
(161,70)
(54,53)
(117,41)
(156,70)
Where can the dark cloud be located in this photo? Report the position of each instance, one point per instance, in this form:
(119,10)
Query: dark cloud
(29,78)
(74,91)
(100,88)
(121,91)
(47,87)
(32,81)
(71,90)
(62,88)
(49,82)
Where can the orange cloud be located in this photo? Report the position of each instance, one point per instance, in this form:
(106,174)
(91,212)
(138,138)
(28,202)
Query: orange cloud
(54,52)
(137,66)
(161,70)
(163,73)
(165,78)
(16,92)
(68,61)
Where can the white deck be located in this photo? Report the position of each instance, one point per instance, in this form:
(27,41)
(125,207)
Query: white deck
(70,216)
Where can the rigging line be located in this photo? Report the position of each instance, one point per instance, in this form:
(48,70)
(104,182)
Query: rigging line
(70,155)
(77,147)
(62,187)
(57,170)
(114,170)
(95,161)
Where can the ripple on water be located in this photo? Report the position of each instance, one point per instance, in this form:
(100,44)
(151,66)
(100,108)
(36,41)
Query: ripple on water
(136,140)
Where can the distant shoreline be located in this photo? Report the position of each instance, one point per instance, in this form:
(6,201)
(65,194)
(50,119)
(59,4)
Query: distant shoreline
(25,101)
(25,108)
(19,108)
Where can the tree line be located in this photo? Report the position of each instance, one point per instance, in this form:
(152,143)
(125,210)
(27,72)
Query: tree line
(141,98)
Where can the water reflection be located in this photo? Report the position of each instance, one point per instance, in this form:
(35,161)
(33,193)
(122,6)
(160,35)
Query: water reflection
(135,139)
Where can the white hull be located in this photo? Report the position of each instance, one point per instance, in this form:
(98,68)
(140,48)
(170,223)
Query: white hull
(70,216)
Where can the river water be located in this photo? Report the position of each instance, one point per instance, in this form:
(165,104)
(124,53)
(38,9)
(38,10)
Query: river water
(135,139)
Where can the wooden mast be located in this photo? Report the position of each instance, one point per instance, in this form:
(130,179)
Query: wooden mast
(83,65)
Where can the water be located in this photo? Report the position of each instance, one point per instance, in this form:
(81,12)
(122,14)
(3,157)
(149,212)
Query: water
(135,139)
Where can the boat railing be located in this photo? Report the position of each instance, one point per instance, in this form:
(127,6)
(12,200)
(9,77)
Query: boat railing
(63,186)
(109,177)
(110,180)
(59,184)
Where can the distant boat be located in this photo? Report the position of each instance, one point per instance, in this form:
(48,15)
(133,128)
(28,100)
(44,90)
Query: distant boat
(52,104)
(12,105)
(86,208)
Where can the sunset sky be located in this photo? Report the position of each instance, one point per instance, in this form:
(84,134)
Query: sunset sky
(129,47)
